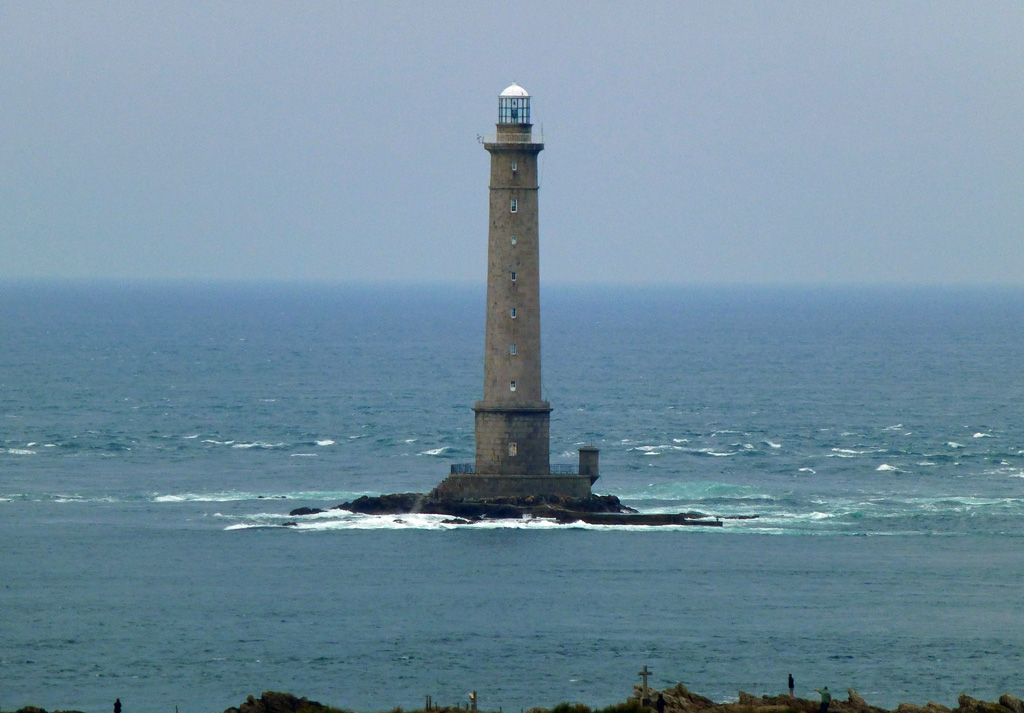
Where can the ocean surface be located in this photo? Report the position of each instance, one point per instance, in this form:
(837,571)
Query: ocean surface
(154,437)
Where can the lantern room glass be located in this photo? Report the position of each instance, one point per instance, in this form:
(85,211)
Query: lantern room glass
(513,110)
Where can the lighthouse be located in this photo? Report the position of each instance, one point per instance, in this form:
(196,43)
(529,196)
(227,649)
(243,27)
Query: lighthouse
(512,420)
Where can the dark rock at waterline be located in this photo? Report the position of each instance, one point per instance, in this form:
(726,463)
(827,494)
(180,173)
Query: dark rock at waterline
(595,509)
(551,506)
(305,511)
(393,504)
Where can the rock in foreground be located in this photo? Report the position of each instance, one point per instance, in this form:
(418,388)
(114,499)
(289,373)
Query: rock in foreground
(681,700)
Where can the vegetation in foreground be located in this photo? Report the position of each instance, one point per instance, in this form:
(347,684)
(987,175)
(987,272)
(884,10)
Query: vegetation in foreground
(672,700)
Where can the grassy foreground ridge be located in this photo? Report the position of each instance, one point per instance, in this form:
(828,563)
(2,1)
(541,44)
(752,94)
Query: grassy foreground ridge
(677,699)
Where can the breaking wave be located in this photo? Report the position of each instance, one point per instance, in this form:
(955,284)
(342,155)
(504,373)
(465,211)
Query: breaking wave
(228,496)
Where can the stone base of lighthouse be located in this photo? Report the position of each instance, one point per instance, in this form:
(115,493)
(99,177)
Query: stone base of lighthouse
(512,440)
(472,486)
(512,458)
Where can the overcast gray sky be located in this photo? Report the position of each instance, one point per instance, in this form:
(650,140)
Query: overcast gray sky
(686,142)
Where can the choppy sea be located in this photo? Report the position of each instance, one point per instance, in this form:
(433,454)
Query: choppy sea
(153,438)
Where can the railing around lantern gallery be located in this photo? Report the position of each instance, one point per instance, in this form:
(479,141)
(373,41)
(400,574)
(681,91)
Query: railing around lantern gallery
(555,469)
(510,138)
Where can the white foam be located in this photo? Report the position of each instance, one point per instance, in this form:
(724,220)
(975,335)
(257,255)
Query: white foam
(258,444)
(353,521)
(954,444)
(229,496)
(200,498)
(21,452)
(695,490)
(188,438)
(808,470)
(897,427)
(325,442)
(435,451)
(983,435)
(887,467)
(772,444)
(1006,469)
(303,455)
(217,443)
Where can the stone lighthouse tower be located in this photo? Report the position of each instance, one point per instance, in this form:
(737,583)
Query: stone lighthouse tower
(512,420)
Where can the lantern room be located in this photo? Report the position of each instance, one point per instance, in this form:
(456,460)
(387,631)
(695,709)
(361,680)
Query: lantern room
(514,106)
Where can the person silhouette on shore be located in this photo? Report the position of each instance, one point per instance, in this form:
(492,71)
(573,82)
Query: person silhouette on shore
(660,703)
(826,698)
(790,685)
(117,705)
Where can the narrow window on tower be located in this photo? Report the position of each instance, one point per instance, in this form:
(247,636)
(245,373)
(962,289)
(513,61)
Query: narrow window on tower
(512,313)
(514,166)
(512,349)
(511,386)
(513,240)
(515,205)
(513,276)
(512,449)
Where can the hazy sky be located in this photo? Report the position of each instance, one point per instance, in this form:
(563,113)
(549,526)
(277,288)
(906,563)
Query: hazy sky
(686,142)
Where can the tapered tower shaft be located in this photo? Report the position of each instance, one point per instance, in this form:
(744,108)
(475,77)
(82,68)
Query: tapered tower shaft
(512,420)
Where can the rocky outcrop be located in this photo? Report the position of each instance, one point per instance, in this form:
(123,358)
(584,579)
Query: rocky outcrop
(926,708)
(772,704)
(679,700)
(593,509)
(274,702)
(973,705)
(510,507)
(1011,703)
